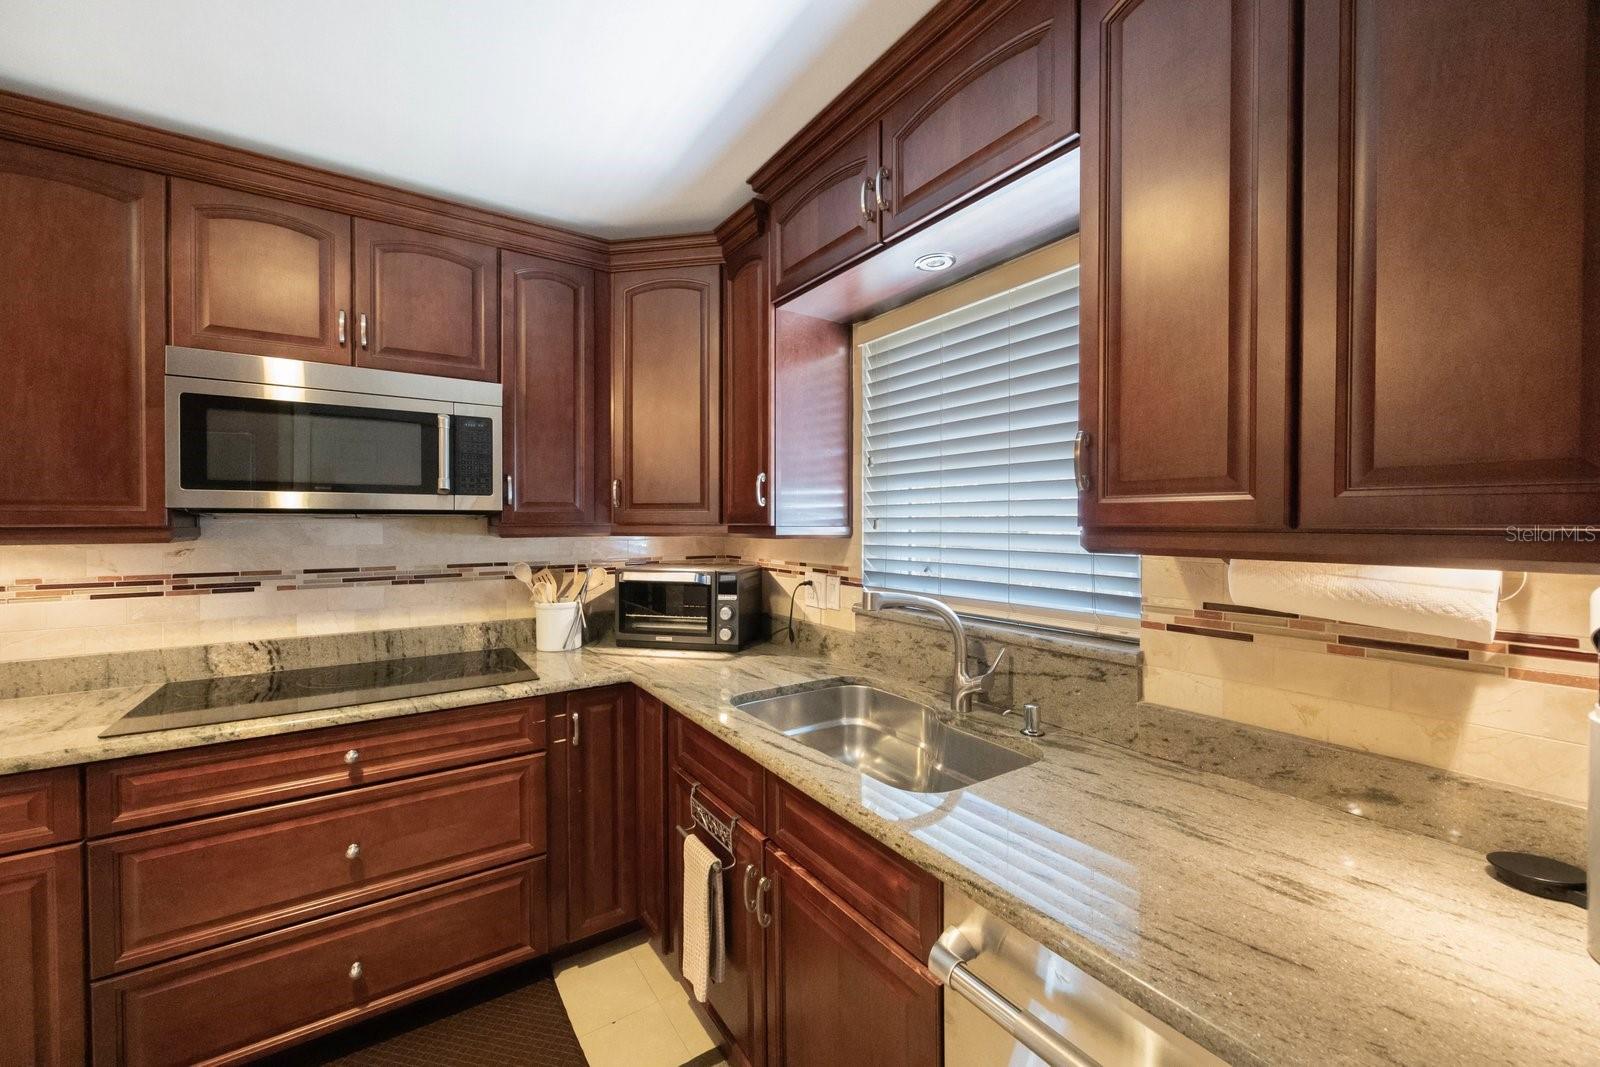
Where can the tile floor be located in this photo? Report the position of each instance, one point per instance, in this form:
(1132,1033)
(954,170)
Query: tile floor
(628,1010)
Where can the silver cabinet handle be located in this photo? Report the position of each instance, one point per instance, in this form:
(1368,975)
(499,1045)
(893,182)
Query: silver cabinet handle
(342,337)
(749,894)
(763,916)
(948,962)
(444,454)
(867,214)
(353,756)
(1080,450)
(355,971)
(879,181)
(616,492)
(352,850)
(511,494)
(361,328)
(761,490)
(577,728)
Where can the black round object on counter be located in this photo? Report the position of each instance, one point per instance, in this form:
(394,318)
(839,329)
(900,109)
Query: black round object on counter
(1541,876)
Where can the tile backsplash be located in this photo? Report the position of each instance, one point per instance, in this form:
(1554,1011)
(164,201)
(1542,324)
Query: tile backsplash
(1512,710)
(259,577)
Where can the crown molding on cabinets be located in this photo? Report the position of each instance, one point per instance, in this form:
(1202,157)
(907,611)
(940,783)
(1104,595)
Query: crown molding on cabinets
(70,129)
(682,250)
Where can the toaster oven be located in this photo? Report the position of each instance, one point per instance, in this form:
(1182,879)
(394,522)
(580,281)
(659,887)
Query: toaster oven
(706,609)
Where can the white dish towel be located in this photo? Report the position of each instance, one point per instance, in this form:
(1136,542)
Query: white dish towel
(702,916)
(1424,600)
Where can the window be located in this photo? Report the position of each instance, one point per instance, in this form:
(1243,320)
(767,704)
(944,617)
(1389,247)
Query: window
(968,487)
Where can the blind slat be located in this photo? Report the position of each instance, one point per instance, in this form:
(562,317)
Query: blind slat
(969,489)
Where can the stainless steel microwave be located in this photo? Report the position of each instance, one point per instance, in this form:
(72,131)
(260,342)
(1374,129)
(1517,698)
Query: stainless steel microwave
(255,433)
(707,609)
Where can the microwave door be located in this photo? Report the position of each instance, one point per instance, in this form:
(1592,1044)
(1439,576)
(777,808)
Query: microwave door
(665,605)
(245,446)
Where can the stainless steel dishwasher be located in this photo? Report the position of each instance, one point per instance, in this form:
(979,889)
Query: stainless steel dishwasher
(1010,1002)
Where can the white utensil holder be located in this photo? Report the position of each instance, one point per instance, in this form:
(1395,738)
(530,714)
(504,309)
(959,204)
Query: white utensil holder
(556,627)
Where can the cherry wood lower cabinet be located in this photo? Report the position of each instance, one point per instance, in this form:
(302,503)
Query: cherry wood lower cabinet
(651,730)
(838,989)
(41,958)
(598,807)
(235,1003)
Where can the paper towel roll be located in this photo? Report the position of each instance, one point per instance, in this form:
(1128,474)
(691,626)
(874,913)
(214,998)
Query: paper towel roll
(1426,600)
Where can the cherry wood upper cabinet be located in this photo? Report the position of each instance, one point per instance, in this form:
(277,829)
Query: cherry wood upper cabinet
(747,490)
(666,365)
(602,874)
(258,275)
(425,303)
(82,282)
(1006,93)
(1186,264)
(786,384)
(1451,257)
(826,964)
(548,367)
(41,958)
(828,215)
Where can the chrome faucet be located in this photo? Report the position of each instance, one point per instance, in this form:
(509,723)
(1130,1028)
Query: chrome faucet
(962,684)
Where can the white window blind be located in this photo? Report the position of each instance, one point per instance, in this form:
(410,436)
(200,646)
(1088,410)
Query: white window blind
(968,491)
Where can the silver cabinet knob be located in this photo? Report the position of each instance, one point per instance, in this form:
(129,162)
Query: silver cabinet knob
(355,971)
(352,851)
(353,756)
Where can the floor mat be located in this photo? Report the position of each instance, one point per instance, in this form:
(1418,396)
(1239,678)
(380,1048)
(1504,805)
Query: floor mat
(511,1018)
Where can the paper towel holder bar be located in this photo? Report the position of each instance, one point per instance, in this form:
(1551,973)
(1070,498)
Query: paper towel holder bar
(1505,596)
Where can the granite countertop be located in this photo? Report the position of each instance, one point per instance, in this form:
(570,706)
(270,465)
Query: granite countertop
(1269,929)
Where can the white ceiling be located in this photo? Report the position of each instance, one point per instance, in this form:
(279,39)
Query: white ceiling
(615,117)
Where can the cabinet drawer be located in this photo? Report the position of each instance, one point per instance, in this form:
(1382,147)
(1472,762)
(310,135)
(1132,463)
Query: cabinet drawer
(897,896)
(738,781)
(39,808)
(235,1003)
(160,893)
(169,786)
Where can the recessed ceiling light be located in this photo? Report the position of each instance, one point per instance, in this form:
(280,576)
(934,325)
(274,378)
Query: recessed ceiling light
(935,261)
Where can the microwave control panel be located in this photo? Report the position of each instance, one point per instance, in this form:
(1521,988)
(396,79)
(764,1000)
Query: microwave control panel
(472,455)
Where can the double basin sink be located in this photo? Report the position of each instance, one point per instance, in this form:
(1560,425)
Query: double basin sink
(897,741)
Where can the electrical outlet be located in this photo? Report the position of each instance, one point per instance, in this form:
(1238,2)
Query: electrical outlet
(830,586)
(812,595)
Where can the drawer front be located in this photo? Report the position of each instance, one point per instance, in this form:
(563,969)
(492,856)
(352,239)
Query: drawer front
(900,898)
(234,1003)
(162,893)
(170,786)
(738,781)
(39,808)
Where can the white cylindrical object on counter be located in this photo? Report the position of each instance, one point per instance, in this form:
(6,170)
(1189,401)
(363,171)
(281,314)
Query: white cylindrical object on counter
(556,627)
(1427,600)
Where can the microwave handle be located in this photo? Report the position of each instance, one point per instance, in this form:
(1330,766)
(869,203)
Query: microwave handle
(444,453)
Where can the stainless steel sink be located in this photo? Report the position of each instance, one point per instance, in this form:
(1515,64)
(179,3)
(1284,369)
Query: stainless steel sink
(895,740)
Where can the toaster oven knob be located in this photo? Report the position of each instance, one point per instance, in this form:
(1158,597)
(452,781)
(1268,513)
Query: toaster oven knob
(724,634)
(725,612)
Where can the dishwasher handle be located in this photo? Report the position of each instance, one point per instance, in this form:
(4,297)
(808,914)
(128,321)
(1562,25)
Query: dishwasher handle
(948,961)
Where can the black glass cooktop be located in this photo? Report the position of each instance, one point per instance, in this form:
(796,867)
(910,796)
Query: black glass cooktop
(208,701)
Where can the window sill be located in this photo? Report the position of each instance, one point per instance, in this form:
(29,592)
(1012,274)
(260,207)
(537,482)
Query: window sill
(1124,652)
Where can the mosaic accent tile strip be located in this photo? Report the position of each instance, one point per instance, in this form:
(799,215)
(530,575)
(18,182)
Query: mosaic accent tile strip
(1550,658)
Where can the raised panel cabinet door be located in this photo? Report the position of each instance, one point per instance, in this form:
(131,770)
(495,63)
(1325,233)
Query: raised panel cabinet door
(1006,95)
(1451,258)
(747,468)
(738,1001)
(666,370)
(838,990)
(82,279)
(257,275)
(602,813)
(1186,264)
(828,215)
(41,958)
(426,304)
(548,367)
